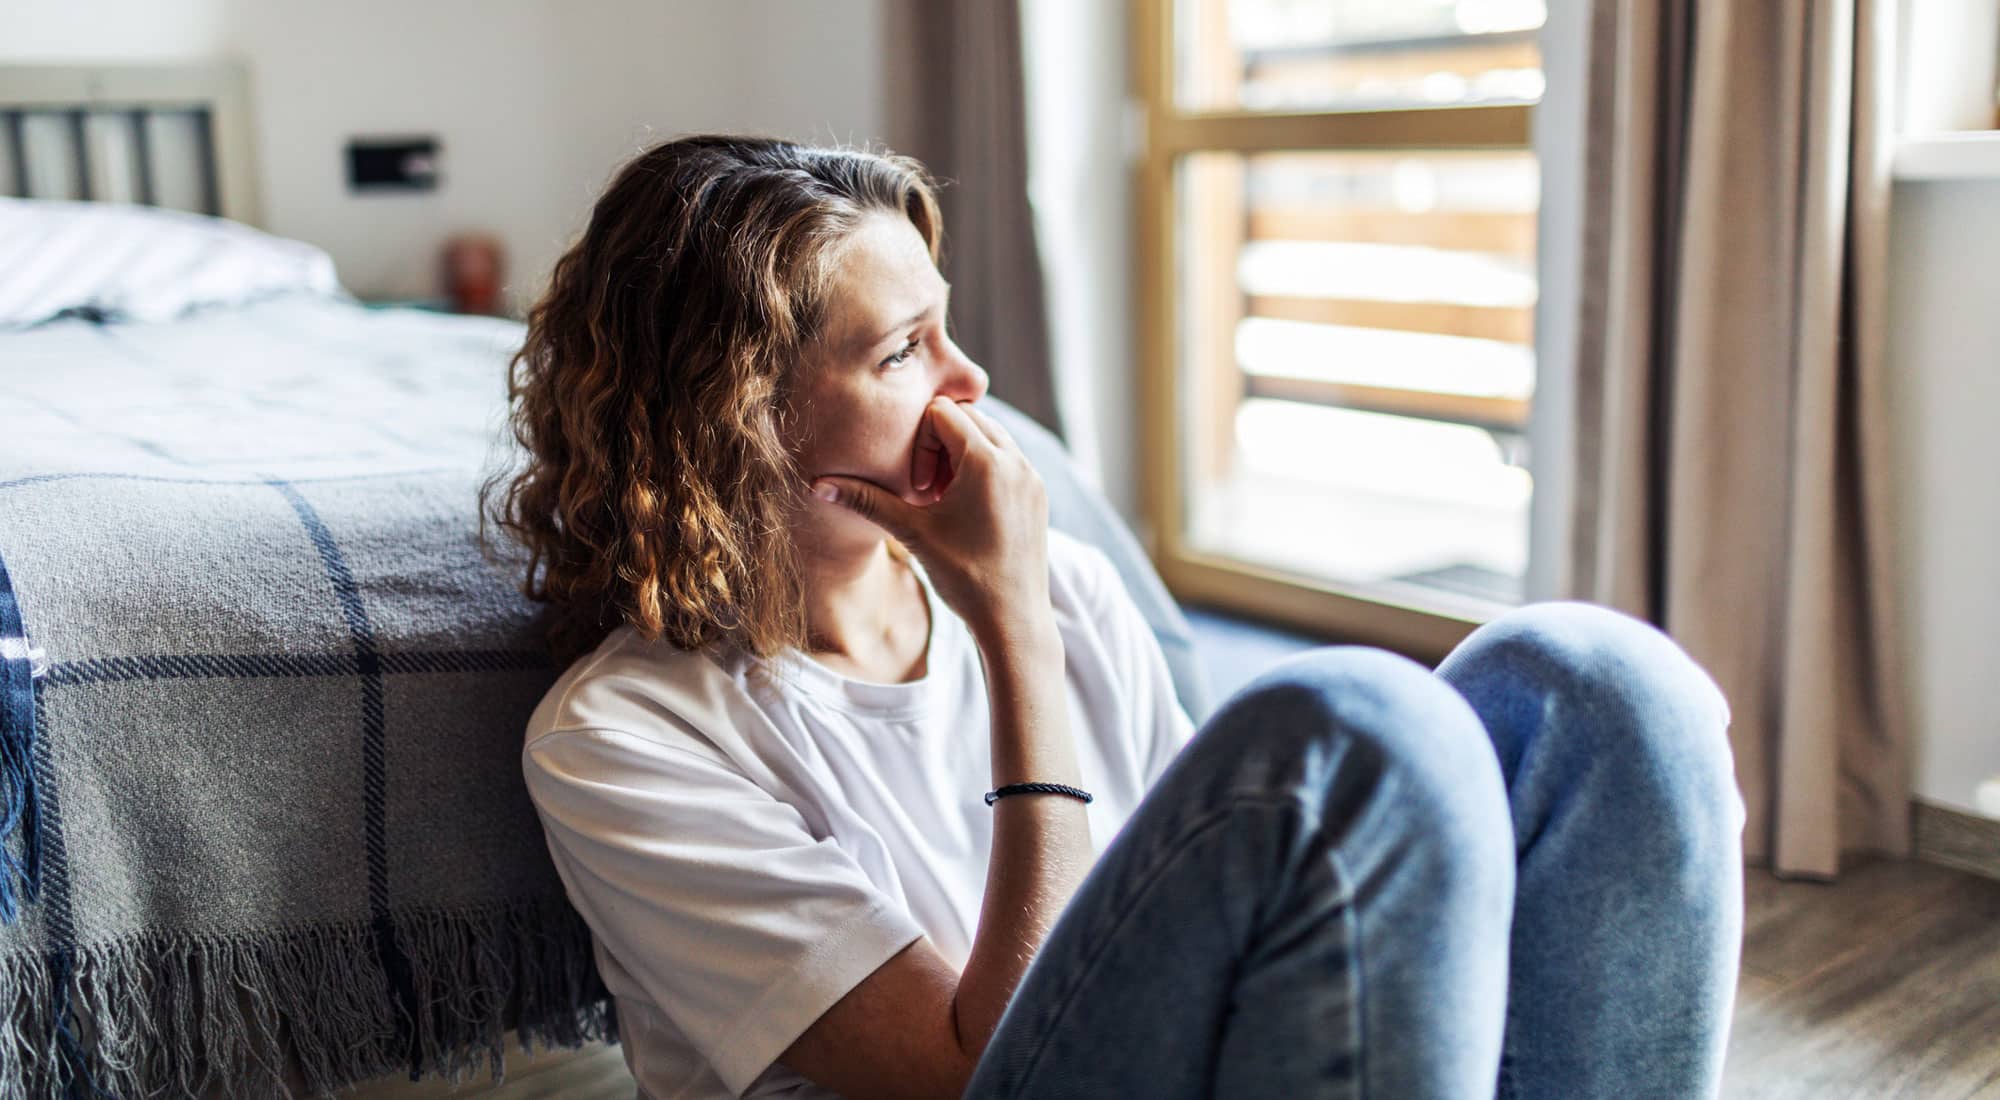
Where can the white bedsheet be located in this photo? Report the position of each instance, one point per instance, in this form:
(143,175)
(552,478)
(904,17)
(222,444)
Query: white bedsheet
(323,386)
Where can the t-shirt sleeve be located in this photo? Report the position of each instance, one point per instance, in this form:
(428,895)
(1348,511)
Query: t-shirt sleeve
(1161,725)
(738,923)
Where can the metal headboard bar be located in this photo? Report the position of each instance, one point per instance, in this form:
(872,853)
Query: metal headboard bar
(215,95)
(17,148)
(79,145)
(142,155)
(205,140)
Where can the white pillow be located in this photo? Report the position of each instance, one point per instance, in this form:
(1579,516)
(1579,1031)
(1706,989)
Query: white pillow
(116,261)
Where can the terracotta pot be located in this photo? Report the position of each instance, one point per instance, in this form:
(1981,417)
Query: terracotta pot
(473,267)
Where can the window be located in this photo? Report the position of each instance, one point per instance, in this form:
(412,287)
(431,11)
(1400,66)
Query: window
(1948,70)
(1338,279)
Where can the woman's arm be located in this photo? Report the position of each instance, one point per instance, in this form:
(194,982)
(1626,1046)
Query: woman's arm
(1041,842)
(913,1028)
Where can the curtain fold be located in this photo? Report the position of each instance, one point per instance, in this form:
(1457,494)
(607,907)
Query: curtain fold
(1731,455)
(957,102)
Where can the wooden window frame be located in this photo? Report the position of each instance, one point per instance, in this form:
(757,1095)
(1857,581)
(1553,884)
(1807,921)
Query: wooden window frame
(1166,133)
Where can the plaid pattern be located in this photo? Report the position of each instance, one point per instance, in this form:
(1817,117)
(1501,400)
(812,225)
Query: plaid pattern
(263,702)
(262,709)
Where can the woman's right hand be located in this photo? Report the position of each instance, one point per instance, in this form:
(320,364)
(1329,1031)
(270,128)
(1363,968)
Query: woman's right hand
(983,538)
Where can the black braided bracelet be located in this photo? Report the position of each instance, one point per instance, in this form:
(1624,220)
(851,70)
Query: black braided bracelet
(1036,788)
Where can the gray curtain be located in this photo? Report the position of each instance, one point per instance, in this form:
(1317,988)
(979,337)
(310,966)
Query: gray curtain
(1731,464)
(955,91)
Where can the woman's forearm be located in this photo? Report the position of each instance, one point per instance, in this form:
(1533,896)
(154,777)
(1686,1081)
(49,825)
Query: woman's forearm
(1041,842)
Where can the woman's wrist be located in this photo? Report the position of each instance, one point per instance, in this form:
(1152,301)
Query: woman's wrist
(1028,636)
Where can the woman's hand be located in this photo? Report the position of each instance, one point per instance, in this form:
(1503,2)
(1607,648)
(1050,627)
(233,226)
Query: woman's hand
(983,536)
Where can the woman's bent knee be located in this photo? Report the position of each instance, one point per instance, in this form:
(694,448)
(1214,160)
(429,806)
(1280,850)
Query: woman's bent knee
(1619,660)
(1627,693)
(1347,720)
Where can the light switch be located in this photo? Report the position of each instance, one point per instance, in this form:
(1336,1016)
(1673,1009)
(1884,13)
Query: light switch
(392,164)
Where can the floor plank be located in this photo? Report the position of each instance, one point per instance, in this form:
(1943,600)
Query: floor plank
(1883,984)
(1793,927)
(595,1071)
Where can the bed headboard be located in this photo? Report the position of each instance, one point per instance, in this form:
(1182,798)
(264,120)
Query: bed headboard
(161,135)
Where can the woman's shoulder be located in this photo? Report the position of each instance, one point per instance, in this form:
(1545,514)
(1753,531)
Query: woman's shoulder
(650,690)
(1082,577)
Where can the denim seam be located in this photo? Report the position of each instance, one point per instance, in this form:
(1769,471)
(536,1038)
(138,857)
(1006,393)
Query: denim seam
(1356,971)
(1147,881)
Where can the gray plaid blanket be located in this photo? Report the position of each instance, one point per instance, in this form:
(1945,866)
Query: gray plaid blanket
(265,830)
(261,707)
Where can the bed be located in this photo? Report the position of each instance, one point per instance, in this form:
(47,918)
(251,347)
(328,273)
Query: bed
(263,830)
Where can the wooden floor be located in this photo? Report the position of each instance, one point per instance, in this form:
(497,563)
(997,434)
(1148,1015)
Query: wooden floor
(594,1072)
(1883,985)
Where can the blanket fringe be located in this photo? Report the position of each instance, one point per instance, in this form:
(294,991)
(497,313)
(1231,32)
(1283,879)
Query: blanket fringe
(302,1011)
(18,812)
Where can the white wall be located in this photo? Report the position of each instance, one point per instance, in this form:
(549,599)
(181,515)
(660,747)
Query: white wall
(534,101)
(110,30)
(1944,376)
(1558,142)
(1080,188)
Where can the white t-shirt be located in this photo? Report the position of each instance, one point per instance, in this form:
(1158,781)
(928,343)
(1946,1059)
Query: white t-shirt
(745,853)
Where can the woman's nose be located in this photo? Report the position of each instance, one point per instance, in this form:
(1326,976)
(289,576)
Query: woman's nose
(964,380)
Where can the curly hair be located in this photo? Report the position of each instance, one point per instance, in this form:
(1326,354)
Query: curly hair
(649,394)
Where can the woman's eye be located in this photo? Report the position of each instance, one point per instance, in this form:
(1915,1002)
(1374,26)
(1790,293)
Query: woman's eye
(899,357)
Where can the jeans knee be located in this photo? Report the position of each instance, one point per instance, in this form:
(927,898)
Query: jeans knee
(1355,721)
(1620,685)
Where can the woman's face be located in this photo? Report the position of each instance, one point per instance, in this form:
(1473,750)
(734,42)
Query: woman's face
(858,404)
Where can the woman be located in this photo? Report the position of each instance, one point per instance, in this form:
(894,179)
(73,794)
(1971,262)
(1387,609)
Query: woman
(818,633)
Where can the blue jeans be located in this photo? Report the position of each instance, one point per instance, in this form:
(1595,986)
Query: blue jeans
(1520,875)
